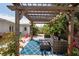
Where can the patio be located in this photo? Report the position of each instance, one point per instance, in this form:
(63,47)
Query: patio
(42,13)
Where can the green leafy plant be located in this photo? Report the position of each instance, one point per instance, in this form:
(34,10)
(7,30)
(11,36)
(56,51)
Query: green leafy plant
(35,30)
(75,52)
(9,40)
(59,27)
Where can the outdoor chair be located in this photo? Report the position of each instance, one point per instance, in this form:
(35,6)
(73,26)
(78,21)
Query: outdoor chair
(44,46)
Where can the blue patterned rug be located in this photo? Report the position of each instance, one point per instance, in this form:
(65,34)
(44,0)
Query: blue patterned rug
(33,48)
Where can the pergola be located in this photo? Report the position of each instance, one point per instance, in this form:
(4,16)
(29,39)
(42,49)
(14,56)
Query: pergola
(43,13)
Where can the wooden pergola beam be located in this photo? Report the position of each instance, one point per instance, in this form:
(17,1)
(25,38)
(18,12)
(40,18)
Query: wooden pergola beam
(40,22)
(41,17)
(35,18)
(42,8)
(42,12)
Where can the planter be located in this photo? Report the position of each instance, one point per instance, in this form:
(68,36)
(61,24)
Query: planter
(59,46)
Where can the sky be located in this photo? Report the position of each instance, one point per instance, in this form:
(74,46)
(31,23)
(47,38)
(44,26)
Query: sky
(5,10)
(7,14)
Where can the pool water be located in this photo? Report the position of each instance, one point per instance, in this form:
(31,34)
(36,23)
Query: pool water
(33,48)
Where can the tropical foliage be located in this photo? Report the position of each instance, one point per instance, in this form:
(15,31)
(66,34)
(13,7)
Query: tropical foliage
(35,30)
(7,43)
(59,27)
(45,29)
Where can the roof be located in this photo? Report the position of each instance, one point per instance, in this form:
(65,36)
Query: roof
(1,19)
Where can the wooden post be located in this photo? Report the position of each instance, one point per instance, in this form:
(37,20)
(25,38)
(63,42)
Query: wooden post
(31,29)
(17,30)
(70,35)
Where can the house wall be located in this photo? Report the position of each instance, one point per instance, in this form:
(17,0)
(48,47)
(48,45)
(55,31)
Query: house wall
(4,27)
(23,30)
